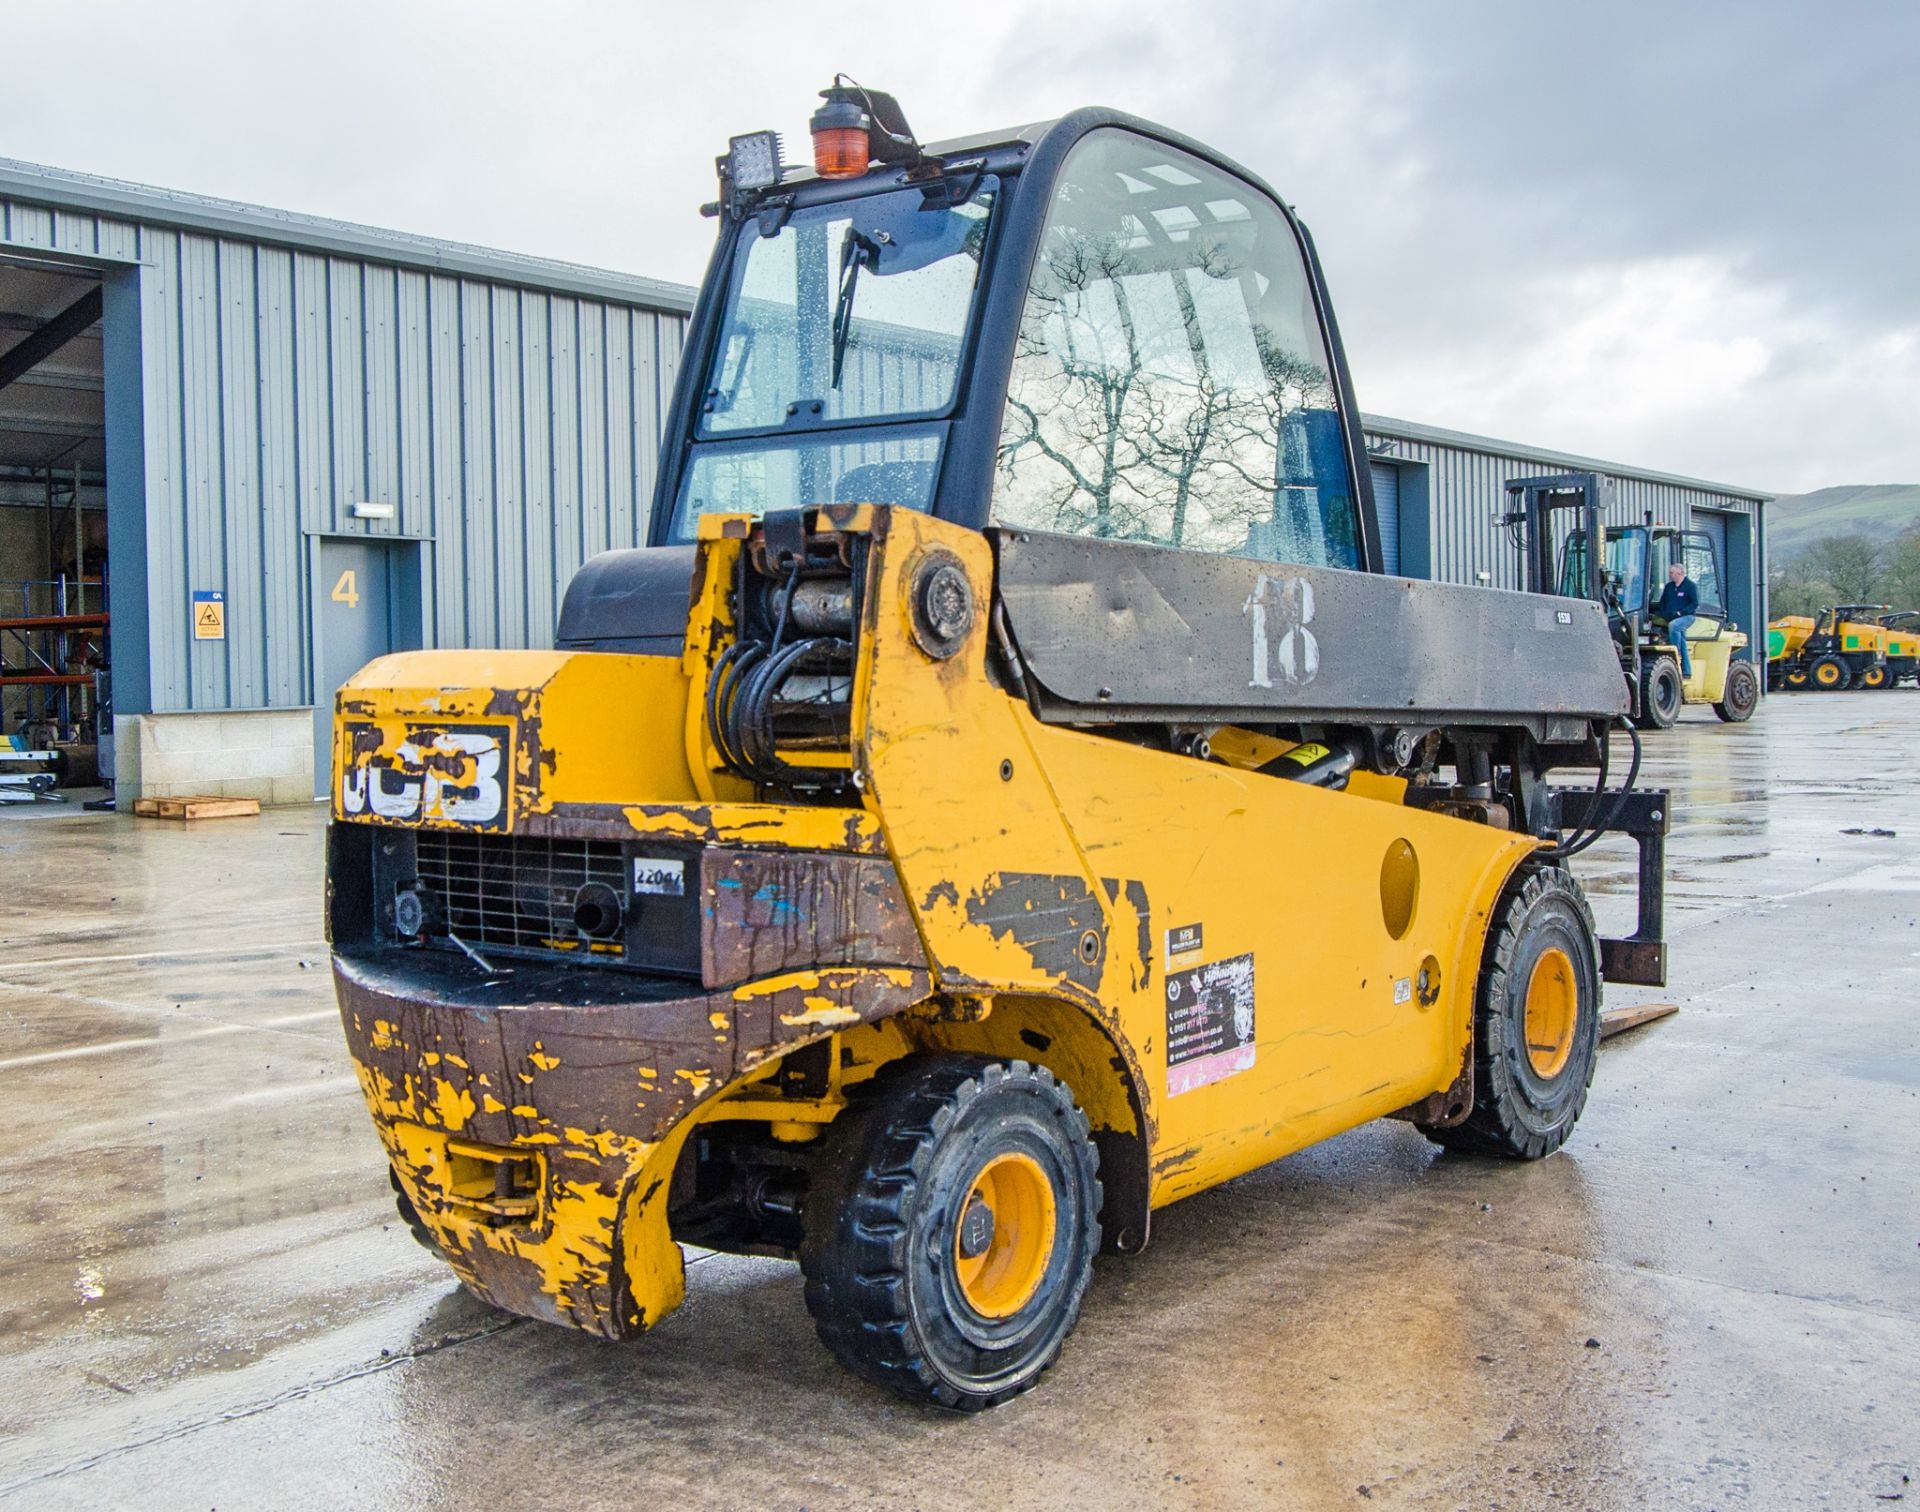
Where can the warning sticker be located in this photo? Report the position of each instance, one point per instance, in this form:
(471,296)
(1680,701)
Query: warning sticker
(1209,1023)
(209,614)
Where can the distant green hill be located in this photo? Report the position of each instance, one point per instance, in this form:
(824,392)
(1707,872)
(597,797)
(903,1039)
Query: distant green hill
(1878,511)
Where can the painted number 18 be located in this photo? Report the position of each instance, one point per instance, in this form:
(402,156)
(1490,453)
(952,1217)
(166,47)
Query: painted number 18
(346,591)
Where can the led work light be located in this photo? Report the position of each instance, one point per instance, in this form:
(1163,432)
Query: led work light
(753,161)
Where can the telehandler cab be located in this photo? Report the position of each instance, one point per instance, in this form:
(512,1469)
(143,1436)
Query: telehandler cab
(1004,797)
(1625,578)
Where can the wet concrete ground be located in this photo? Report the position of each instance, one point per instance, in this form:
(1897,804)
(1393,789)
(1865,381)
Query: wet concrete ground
(1710,1299)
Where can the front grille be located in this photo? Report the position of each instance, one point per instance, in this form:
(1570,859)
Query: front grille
(516,893)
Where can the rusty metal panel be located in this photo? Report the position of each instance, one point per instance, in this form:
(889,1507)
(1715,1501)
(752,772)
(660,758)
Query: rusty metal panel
(765,912)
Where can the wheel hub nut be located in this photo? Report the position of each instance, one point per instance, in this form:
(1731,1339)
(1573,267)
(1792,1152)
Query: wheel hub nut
(976,1228)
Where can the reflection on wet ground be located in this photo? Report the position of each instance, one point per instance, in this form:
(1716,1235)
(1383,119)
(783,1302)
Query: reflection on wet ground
(1708,1300)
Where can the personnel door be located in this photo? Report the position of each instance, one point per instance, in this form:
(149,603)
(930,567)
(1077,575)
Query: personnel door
(1386,508)
(354,621)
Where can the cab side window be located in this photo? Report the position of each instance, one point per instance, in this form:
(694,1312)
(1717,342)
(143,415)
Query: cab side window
(1705,572)
(1171,384)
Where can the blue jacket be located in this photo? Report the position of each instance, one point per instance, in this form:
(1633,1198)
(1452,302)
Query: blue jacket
(1678,600)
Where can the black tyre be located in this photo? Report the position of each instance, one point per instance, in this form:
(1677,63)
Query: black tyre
(1873,677)
(950,1230)
(1741,696)
(1660,694)
(1829,674)
(410,1215)
(1536,1030)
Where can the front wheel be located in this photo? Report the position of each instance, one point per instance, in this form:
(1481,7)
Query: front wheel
(1741,695)
(1829,674)
(950,1230)
(1536,1027)
(1661,693)
(1874,677)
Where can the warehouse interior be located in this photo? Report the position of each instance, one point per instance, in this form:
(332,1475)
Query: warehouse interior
(53,521)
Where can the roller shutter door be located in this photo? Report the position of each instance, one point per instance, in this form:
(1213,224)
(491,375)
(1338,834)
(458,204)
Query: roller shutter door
(1713,525)
(1386,507)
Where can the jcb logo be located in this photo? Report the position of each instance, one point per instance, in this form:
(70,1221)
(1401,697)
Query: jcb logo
(1281,609)
(449,774)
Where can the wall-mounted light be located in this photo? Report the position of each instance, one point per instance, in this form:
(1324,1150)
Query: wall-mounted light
(366,511)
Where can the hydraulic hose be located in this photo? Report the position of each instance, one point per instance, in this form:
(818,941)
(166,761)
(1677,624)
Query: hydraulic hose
(1596,826)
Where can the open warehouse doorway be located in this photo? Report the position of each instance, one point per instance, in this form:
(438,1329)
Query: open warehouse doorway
(54,689)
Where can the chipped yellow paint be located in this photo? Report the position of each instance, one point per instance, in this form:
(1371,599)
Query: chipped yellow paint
(820,1013)
(541,702)
(491,1104)
(454,1105)
(604,1142)
(1288,874)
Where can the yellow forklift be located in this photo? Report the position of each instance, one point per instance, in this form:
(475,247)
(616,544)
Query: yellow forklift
(1846,646)
(1552,520)
(1003,798)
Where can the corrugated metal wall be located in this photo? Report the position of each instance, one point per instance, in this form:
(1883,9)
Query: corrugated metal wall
(1468,487)
(515,429)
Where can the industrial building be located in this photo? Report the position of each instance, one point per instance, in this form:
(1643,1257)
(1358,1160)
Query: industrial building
(243,451)
(288,445)
(1436,493)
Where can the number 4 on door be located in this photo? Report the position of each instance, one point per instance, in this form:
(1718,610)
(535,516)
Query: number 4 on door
(346,591)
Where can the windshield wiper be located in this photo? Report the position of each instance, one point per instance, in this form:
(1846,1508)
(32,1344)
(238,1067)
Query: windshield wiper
(856,251)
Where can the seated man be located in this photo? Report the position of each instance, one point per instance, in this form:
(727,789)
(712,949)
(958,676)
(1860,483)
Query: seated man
(1678,600)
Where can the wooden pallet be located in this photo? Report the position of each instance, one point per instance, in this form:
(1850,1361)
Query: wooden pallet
(1620,1020)
(195,806)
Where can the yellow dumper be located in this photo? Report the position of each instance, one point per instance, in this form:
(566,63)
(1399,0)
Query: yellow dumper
(1846,646)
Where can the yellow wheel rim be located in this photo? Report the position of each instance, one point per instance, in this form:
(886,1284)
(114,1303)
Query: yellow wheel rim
(1553,1004)
(1004,1235)
(1873,677)
(1826,676)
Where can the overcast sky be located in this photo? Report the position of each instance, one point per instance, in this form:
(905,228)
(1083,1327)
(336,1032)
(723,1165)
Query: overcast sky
(1685,236)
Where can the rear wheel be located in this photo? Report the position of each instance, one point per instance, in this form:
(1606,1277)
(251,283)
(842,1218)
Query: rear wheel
(1741,695)
(1795,678)
(1660,693)
(1874,677)
(951,1229)
(1536,1022)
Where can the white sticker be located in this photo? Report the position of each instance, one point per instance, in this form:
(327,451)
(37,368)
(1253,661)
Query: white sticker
(1209,1024)
(664,879)
(1403,990)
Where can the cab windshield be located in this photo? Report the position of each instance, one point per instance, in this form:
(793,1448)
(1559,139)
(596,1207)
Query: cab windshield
(844,325)
(1625,567)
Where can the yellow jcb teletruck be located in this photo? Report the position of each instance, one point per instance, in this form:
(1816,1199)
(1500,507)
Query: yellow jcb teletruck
(1005,797)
